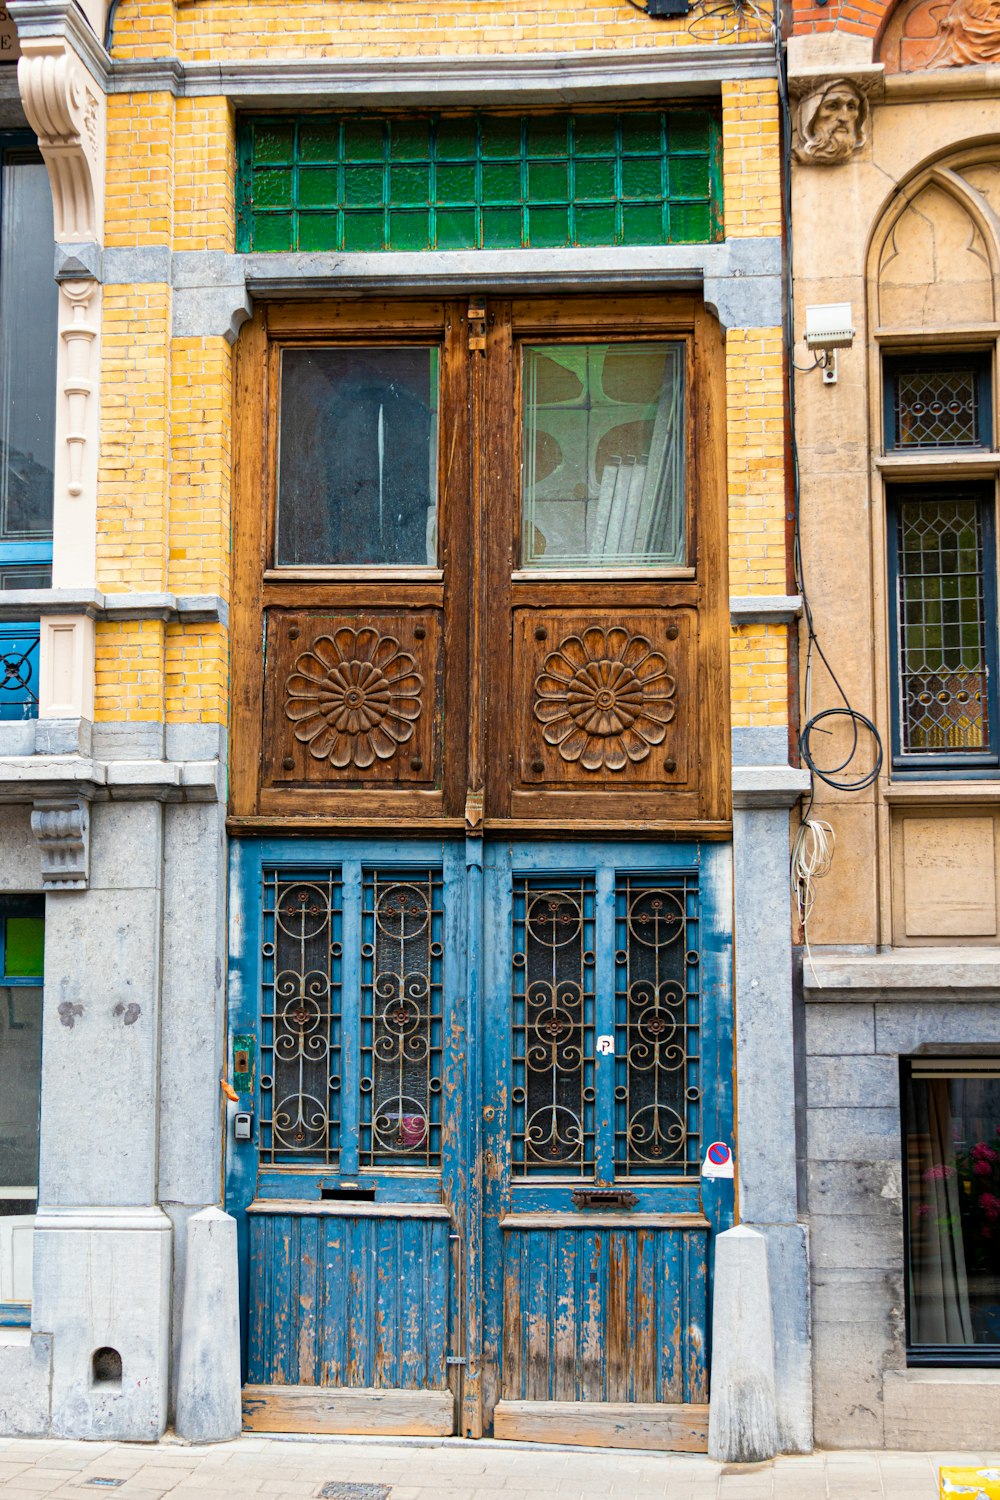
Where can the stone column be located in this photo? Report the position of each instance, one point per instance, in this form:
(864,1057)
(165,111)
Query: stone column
(765,787)
(102,1245)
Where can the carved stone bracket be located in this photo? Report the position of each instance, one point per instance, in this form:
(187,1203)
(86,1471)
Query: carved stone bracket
(79,336)
(62,828)
(66,109)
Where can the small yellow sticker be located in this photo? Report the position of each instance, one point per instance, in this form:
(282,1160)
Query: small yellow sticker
(977,1484)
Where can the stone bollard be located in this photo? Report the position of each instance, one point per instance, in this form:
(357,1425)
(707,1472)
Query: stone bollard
(743,1422)
(208,1405)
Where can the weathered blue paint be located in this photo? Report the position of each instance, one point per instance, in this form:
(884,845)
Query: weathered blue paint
(570,1309)
(348,1300)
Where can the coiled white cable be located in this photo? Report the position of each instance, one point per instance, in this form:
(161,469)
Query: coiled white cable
(812,856)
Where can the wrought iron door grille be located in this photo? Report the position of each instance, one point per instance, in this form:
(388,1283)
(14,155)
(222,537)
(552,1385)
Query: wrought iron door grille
(942,626)
(402,963)
(657,1028)
(553,997)
(300,1042)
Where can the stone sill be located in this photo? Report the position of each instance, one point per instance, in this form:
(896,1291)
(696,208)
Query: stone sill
(25,777)
(20,604)
(764,609)
(924,793)
(903,974)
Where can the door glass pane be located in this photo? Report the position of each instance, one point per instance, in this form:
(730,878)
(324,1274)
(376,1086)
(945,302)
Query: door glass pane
(552,1099)
(20,1085)
(942,626)
(952,1156)
(401,1020)
(603,459)
(28,314)
(657,1043)
(357,461)
(301,1018)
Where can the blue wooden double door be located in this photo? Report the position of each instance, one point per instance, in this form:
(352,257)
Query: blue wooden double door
(475,1085)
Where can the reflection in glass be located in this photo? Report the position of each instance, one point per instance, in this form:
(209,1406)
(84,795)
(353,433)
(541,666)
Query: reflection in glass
(953,1179)
(28,314)
(357,460)
(20,1085)
(603,460)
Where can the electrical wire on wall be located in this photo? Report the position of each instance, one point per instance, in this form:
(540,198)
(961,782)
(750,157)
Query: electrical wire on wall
(840,746)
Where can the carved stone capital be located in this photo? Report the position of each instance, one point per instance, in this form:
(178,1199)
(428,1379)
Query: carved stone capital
(832,114)
(62,828)
(66,109)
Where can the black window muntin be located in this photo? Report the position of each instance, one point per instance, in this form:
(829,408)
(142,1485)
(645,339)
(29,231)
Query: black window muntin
(917,1354)
(978,364)
(945,762)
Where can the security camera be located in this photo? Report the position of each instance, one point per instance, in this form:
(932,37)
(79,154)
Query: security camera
(829,327)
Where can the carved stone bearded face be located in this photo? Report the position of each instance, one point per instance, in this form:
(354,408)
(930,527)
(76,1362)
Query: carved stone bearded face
(831,124)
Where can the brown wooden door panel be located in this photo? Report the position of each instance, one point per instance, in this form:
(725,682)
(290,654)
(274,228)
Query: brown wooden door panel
(538,695)
(605,699)
(353,699)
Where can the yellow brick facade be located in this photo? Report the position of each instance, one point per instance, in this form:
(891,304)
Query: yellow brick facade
(164,522)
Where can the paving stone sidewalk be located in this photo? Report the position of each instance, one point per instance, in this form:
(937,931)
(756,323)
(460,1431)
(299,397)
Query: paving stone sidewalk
(415,1469)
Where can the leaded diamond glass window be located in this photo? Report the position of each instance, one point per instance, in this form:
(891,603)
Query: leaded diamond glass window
(940,401)
(945,622)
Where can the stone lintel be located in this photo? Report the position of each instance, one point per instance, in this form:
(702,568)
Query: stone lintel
(27,778)
(904,974)
(16,604)
(769,786)
(764,609)
(546,78)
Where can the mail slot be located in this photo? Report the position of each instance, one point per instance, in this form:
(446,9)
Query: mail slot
(604,1198)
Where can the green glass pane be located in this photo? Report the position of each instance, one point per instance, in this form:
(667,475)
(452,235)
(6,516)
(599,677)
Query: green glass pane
(409,229)
(362,186)
(456,139)
(273,188)
(274,142)
(642,225)
(595,226)
(364,140)
(688,176)
(318,187)
(274,232)
(688,132)
(456,229)
(548,135)
(548,182)
(501,136)
(595,179)
(501,228)
(456,184)
(25,942)
(410,140)
(690,223)
(548,226)
(318,232)
(595,135)
(501,182)
(363,232)
(641,132)
(642,177)
(409,185)
(319,139)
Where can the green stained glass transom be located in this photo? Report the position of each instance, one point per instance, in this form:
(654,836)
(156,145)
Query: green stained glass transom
(478,181)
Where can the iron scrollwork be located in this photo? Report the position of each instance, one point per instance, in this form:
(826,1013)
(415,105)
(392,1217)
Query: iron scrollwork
(657,1084)
(300,1018)
(402,959)
(553,1028)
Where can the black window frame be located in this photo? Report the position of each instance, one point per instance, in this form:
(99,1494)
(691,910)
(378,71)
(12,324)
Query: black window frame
(947,764)
(893,365)
(950,1356)
(18,1314)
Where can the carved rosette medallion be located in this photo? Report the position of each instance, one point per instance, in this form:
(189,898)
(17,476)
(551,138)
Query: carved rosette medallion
(354,697)
(605,698)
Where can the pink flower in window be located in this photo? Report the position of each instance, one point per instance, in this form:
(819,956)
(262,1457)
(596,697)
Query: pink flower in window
(990,1205)
(938,1172)
(982,1168)
(983,1152)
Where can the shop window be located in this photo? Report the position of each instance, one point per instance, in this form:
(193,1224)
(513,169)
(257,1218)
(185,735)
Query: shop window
(951,1146)
(938,401)
(28,330)
(943,619)
(21,951)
